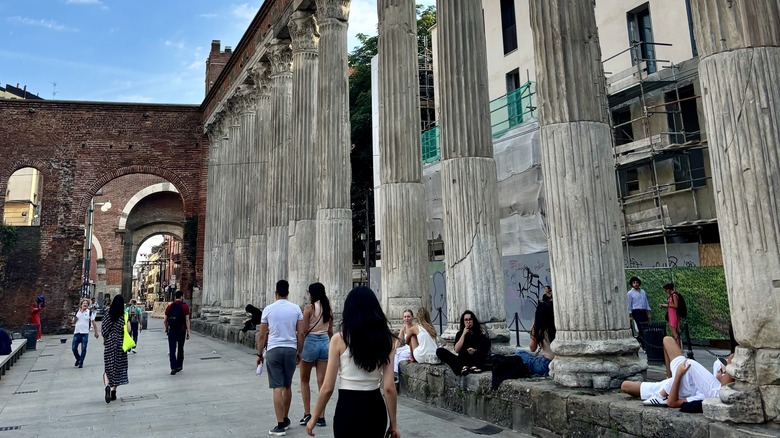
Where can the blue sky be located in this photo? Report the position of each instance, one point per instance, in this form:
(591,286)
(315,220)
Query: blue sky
(127,50)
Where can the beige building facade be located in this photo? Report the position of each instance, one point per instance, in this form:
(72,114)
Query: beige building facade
(23,197)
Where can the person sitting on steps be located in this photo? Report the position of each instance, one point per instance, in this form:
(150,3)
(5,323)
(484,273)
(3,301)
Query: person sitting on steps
(251,323)
(472,346)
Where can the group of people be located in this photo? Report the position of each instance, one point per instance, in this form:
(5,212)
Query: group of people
(640,312)
(361,354)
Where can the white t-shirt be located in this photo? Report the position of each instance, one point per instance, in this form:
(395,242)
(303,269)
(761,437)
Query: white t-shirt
(697,384)
(282,318)
(84,321)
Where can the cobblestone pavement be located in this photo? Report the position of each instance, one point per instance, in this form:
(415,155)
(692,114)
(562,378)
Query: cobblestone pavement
(217,394)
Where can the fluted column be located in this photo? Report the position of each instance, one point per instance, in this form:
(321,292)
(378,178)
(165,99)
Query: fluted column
(258,183)
(739,71)
(303,197)
(278,174)
(402,203)
(245,106)
(231,211)
(593,346)
(209,274)
(334,215)
(472,256)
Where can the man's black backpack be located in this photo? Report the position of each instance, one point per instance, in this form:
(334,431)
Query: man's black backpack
(176,317)
(682,308)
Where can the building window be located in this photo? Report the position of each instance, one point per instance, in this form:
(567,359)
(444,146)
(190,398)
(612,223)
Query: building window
(683,115)
(624,131)
(689,170)
(509,25)
(513,99)
(640,32)
(629,182)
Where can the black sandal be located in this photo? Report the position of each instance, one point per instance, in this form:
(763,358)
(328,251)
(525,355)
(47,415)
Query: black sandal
(464,371)
(475,370)
(108,394)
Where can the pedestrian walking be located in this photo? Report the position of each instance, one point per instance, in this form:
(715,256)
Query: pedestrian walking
(35,315)
(113,330)
(282,327)
(318,321)
(362,356)
(84,320)
(134,314)
(177,327)
(638,307)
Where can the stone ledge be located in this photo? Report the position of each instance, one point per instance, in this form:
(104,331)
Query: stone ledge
(539,407)
(225,332)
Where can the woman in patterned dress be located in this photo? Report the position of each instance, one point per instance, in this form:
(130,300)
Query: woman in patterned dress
(114,357)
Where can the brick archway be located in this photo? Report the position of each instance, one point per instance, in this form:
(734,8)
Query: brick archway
(173,178)
(141,194)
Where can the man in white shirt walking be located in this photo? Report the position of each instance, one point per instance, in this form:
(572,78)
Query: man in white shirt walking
(84,319)
(282,326)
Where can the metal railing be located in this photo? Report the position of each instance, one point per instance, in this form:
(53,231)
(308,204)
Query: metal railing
(506,112)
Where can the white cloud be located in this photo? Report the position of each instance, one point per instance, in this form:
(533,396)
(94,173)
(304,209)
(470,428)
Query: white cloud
(180,45)
(245,12)
(49,24)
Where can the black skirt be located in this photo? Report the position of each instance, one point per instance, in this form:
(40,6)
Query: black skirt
(360,414)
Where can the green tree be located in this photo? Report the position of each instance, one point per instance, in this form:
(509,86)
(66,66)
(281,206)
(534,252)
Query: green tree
(361,133)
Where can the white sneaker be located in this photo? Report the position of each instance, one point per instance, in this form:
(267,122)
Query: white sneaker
(656,400)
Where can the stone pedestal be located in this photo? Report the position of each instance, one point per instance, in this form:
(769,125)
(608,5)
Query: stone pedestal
(593,346)
(739,46)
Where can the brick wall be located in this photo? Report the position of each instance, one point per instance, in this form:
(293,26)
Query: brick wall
(80,147)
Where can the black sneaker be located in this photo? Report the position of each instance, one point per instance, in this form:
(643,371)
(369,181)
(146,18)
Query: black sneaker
(305,420)
(173,372)
(286,423)
(321,422)
(77,363)
(277,431)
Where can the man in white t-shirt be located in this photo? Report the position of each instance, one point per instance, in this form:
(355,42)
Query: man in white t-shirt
(282,327)
(84,319)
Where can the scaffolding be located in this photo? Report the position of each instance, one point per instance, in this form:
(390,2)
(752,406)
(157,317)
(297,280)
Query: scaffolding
(677,146)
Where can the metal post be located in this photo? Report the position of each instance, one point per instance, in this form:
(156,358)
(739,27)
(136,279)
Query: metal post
(367,243)
(88,257)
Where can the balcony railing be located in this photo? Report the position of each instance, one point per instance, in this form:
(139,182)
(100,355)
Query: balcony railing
(506,112)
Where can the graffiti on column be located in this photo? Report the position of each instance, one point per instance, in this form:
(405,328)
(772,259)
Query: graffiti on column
(438,294)
(525,277)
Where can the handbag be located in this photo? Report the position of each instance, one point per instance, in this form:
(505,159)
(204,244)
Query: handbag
(127,341)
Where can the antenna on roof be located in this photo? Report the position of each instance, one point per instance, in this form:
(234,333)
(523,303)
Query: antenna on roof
(54,89)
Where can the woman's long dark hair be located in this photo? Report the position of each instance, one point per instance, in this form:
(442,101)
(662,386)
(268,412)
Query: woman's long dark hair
(117,309)
(365,330)
(544,322)
(317,291)
(475,325)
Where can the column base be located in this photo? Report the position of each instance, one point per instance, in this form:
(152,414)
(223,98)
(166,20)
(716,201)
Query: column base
(598,364)
(237,318)
(738,403)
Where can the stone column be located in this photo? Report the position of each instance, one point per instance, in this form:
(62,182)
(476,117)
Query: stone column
(475,279)
(739,71)
(402,204)
(303,197)
(209,283)
(258,183)
(334,215)
(231,212)
(278,175)
(593,346)
(245,102)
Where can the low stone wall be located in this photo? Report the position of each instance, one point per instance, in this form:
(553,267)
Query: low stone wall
(225,332)
(539,407)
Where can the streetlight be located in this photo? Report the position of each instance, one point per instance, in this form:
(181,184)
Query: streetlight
(104,207)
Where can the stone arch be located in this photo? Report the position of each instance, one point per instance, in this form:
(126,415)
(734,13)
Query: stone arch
(134,242)
(174,179)
(98,248)
(41,166)
(155,188)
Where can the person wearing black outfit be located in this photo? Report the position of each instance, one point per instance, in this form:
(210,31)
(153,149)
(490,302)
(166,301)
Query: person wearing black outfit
(254,321)
(472,346)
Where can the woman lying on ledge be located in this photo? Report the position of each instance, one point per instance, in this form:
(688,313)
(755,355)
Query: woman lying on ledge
(472,346)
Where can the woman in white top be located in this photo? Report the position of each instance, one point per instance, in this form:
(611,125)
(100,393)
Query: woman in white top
(422,339)
(318,321)
(362,356)
(402,351)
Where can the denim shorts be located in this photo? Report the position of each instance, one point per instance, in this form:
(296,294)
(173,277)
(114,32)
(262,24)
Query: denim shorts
(537,365)
(315,347)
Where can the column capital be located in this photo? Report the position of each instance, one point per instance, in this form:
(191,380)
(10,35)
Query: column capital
(280,55)
(304,32)
(261,76)
(216,128)
(245,99)
(232,112)
(337,9)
